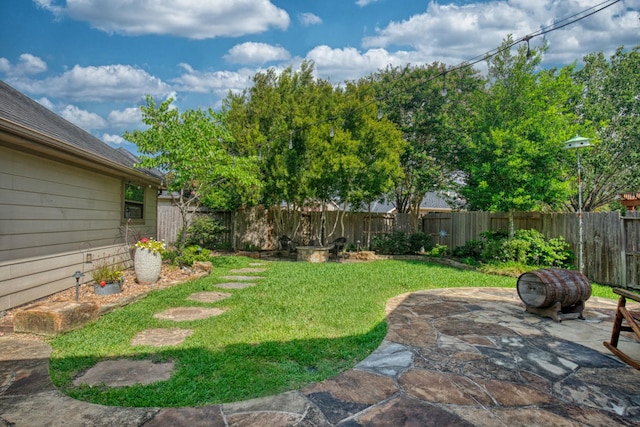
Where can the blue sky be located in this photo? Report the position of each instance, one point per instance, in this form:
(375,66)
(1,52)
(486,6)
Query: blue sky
(93,61)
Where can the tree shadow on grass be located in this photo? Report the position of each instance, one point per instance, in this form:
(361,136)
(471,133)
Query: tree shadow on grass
(237,372)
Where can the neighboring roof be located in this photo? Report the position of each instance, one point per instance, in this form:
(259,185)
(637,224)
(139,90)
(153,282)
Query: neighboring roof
(431,201)
(37,122)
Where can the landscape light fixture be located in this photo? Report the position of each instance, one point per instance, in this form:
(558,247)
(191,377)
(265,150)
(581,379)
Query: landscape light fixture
(578,142)
(77,275)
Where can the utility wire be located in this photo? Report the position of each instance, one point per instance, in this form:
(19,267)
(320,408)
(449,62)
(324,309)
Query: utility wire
(579,16)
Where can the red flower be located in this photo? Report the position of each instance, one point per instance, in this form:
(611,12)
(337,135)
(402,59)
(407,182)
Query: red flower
(103,283)
(144,240)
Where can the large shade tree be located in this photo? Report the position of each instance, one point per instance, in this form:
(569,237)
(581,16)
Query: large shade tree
(431,106)
(309,136)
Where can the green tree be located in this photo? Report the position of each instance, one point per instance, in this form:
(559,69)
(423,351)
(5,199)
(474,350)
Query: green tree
(430,105)
(193,151)
(611,101)
(277,119)
(315,141)
(370,164)
(515,160)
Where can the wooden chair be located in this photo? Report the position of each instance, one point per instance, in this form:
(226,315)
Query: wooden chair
(626,320)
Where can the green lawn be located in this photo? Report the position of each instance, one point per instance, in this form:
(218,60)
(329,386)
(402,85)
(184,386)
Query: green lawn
(302,323)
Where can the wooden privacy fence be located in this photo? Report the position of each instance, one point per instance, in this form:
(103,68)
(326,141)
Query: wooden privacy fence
(611,243)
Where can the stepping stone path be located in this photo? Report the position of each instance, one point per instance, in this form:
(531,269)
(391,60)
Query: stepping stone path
(161,337)
(241,282)
(248,270)
(208,296)
(182,314)
(123,372)
(235,285)
(243,278)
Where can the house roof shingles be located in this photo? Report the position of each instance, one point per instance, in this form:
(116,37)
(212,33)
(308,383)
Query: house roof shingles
(15,107)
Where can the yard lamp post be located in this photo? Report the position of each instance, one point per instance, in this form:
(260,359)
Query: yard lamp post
(579,142)
(77,275)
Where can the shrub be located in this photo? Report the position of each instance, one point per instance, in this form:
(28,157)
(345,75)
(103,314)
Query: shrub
(527,247)
(471,249)
(205,232)
(438,251)
(399,243)
(189,255)
(420,242)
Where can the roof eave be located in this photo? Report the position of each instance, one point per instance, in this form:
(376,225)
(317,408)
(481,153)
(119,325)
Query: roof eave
(28,140)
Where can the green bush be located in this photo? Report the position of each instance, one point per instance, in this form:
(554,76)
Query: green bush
(189,255)
(398,243)
(527,247)
(471,249)
(438,251)
(205,232)
(420,242)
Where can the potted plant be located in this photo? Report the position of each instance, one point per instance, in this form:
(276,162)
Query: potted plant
(107,278)
(147,261)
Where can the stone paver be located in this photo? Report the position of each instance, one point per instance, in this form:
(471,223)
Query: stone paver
(182,314)
(161,337)
(124,372)
(234,285)
(242,278)
(208,296)
(452,357)
(248,270)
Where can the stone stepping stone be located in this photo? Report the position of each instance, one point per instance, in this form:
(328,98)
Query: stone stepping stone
(180,314)
(249,270)
(234,285)
(257,264)
(161,337)
(242,278)
(125,372)
(208,296)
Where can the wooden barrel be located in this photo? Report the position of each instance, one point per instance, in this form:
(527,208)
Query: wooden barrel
(543,288)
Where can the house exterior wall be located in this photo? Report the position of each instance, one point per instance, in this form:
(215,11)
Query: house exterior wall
(52,215)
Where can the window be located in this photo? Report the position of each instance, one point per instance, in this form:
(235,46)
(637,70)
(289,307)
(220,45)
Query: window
(133,202)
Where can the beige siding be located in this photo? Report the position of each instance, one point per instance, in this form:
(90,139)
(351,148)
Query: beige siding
(51,216)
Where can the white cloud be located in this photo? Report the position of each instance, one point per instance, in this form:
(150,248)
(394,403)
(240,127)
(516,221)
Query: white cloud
(453,34)
(256,53)
(309,19)
(216,82)
(98,83)
(125,118)
(82,118)
(113,140)
(27,65)
(350,64)
(193,19)
(363,3)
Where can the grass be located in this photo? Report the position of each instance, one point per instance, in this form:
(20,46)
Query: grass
(301,324)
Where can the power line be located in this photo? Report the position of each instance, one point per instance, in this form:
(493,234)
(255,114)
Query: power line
(579,16)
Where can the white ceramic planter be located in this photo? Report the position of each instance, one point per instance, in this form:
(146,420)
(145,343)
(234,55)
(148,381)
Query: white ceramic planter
(147,266)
